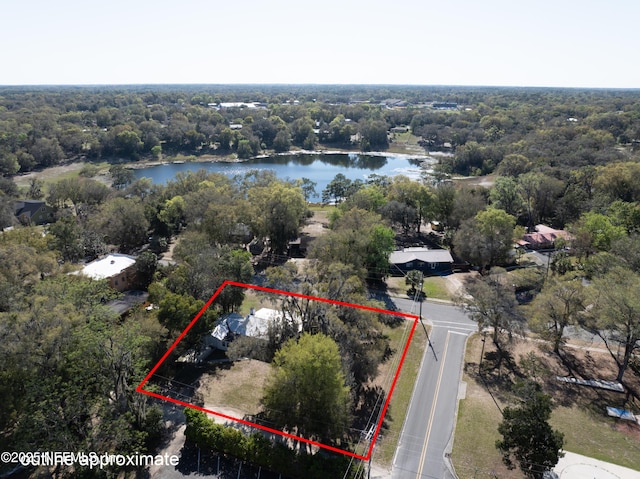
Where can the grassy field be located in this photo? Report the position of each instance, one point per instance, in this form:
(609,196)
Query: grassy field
(406,143)
(319,207)
(587,432)
(597,436)
(57,173)
(474,453)
(251,301)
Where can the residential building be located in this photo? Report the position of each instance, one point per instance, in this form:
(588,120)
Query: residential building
(444,105)
(117,269)
(543,237)
(428,261)
(33,212)
(255,325)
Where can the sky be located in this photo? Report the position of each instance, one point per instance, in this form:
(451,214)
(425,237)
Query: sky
(547,43)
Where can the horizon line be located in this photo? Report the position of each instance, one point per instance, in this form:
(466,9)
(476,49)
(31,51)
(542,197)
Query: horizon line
(319,84)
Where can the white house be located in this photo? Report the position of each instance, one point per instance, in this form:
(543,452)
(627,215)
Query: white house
(117,269)
(255,325)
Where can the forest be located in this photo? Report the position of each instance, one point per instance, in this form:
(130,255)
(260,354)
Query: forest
(553,129)
(70,364)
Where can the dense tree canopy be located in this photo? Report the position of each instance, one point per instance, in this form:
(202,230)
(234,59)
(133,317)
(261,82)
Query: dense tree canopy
(307,389)
(357,239)
(508,129)
(277,214)
(487,239)
(70,369)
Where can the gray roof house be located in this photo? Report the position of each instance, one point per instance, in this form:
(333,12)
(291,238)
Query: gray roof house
(33,212)
(421,259)
(256,325)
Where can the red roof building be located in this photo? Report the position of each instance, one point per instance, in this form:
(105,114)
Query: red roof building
(543,238)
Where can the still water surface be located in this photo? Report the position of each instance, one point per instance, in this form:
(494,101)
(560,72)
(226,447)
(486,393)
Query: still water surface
(321,168)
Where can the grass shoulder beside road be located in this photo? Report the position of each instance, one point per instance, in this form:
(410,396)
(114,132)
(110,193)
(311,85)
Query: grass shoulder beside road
(399,404)
(579,414)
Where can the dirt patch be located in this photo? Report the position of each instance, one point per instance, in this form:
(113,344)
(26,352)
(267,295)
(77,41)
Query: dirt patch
(238,385)
(456,281)
(316,226)
(168,255)
(630,429)
(533,358)
(486,181)
(397,286)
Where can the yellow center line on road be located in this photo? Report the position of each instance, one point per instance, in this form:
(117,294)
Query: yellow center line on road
(433,406)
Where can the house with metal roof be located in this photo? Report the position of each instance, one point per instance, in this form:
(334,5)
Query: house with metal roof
(255,325)
(421,259)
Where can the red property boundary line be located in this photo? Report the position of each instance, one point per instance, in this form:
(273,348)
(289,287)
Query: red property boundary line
(415,318)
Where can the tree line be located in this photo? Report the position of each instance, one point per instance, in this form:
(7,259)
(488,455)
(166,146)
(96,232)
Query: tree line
(552,128)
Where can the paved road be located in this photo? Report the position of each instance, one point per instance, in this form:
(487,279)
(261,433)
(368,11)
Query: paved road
(430,420)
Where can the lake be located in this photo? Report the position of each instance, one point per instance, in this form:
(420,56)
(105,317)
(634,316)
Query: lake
(318,167)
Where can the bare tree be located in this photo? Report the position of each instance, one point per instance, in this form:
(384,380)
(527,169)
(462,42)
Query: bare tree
(491,302)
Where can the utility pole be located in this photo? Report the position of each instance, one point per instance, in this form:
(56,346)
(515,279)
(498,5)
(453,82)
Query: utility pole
(426,331)
(484,339)
(420,293)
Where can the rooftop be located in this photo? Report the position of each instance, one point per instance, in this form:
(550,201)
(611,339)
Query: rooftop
(110,265)
(420,254)
(128,301)
(27,207)
(255,325)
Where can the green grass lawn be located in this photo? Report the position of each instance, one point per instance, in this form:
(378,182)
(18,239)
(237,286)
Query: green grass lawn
(474,453)
(55,174)
(321,207)
(406,143)
(251,301)
(434,287)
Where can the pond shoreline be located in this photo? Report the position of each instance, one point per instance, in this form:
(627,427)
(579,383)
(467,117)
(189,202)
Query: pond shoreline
(231,159)
(72,167)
